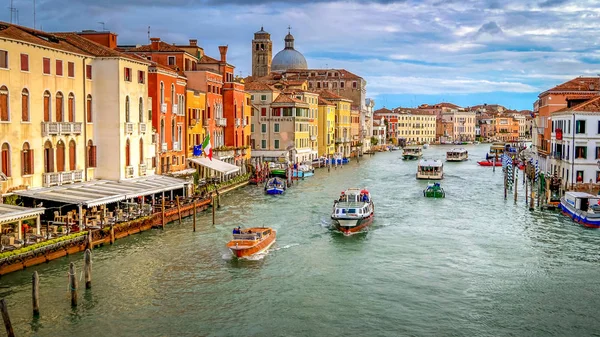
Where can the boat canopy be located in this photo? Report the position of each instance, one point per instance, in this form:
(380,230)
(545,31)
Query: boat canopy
(461,150)
(430,163)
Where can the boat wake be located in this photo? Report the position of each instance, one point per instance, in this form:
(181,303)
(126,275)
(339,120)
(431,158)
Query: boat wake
(284,247)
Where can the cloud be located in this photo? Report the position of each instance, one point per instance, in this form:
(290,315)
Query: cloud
(552,3)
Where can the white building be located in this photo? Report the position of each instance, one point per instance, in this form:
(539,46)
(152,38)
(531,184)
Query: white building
(379,130)
(463,124)
(366,122)
(575,143)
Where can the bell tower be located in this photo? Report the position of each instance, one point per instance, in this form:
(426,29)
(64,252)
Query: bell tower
(262,52)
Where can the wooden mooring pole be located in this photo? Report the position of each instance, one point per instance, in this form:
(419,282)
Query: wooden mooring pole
(35,293)
(178,210)
(6,319)
(162,214)
(532,198)
(516,184)
(112,234)
(213,209)
(73,284)
(505,184)
(526,191)
(88,268)
(194,215)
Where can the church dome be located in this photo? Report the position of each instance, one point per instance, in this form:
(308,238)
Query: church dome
(288,58)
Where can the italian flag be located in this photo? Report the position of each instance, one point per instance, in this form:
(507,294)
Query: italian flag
(206,148)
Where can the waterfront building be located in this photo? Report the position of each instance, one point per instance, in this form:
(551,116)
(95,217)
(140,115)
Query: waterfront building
(391,120)
(355,136)
(343,122)
(326,129)
(506,128)
(46,110)
(196,109)
(379,131)
(575,143)
(124,126)
(367,124)
(463,125)
(261,97)
(312,99)
(417,126)
(486,126)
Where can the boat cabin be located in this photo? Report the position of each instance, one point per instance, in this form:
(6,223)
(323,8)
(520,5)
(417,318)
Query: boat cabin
(412,150)
(430,169)
(457,155)
(497,149)
(351,210)
(582,201)
(355,195)
(251,233)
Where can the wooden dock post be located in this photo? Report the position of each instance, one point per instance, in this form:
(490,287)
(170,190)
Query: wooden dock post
(526,190)
(532,198)
(88,268)
(178,210)
(73,284)
(162,214)
(213,209)
(516,184)
(35,293)
(112,234)
(6,319)
(494,164)
(194,215)
(90,238)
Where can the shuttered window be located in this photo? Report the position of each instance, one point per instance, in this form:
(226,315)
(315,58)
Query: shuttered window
(24,62)
(46,64)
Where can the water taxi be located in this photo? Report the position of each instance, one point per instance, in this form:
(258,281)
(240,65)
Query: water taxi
(412,152)
(304,170)
(457,155)
(496,150)
(430,169)
(275,186)
(489,162)
(249,241)
(353,212)
(582,207)
(278,169)
(434,191)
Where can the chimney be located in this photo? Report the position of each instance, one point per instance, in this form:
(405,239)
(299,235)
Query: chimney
(223,51)
(193,42)
(155,42)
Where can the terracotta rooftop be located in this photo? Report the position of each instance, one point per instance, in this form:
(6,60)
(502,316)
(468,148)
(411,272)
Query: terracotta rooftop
(323,101)
(258,86)
(382,111)
(329,95)
(208,59)
(25,34)
(162,47)
(96,49)
(592,105)
(287,99)
(577,84)
(305,73)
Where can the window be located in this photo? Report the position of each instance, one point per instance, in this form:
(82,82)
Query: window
(276,127)
(88,108)
(47,106)
(263,112)
(72,156)
(276,112)
(171,60)
(48,157)
(127,115)
(597,152)
(26,160)
(127,153)
(5,158)
(141,76)
(263,143)
(4,114)
(141,110)
(354,85)
(276,143)
(3,59)
(59,68)
(580,126)
(580,152)
(251,127)
(71,108)
(263,97)
(127,74)
(60,156)
(46,65)
(172,95)
(263,128)
(24,62)
(91,154)
(141,151)
(342,84)
(579,175)
(88,72)
(59,107)
(71,69)
(25,105)
(251,98)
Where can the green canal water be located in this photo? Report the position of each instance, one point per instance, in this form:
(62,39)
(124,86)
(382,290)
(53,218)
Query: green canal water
(471,264)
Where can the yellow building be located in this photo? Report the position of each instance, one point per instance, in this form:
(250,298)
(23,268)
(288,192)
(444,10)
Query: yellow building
(312,99)
(46,120)
(326,135)
(355,143)
(417,126)
(343,122)
(196,106)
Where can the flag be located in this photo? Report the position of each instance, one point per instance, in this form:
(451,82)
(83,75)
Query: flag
(206,148)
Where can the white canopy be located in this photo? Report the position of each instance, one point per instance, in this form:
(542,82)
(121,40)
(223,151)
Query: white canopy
(11,213)
(215,164)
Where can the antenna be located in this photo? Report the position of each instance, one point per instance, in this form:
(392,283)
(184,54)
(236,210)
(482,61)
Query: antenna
(102,23)
(12,10)
(148,34)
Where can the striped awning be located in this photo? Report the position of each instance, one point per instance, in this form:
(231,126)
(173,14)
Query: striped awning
(11,213)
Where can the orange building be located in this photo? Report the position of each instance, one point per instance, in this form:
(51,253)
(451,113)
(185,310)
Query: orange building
(506,128)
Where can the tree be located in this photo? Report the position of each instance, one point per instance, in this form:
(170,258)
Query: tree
(374,141)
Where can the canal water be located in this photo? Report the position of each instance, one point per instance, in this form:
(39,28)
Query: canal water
(471,264)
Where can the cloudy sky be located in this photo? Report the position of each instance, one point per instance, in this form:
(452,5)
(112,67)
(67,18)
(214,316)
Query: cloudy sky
(410,52)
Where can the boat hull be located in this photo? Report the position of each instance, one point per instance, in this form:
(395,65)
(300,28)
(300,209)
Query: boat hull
(430,177)
(352,226)
(278,173)
(457,159)
(580,217)
(244,251)
(489,163)
(411,157)
(274,191)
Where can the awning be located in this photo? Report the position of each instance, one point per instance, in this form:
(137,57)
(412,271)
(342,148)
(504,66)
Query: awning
(11,213)
(215,164)
(154,184)
(182,173)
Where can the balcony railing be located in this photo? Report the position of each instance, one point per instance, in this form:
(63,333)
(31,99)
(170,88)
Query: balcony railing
(313,138)
(142,169)
(59,178)
(221,121)
(174,109)
(128,171)
(143,127)
(176,146)
(129,128)
(238,122)
(163,108)
(61,128)
(163,147)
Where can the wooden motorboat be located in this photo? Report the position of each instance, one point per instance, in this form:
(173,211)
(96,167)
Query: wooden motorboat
(250,241)
(275,186)
(489,163)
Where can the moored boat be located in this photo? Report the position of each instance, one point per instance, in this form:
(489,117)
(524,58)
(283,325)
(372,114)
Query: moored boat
(430,169)
(457,155)
(582,207)
(353,212)
(489,163)
(278,169)
(250,241)
(275,186)
(434,191)
(412,152)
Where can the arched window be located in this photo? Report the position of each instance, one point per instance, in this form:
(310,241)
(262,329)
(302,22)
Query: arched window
(172,95)
(173,133)
(5,159)
(48,157)
(141,151)
(25,105)
(72,155)
(88,108)
(4,114)
(162,131)
(91,157)
(127,115)
(60,156)
(71,108)
(59,107)
(26,160)
(141,107)
(127,153)
(47,97)
(162,93)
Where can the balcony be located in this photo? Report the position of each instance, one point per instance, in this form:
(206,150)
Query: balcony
(128,171)
(142,169)
(174,109)
(163,108)
(60,128)
(244,123)
(59,178)
(143,127)
(163,147)
(238,122)
(221,121)
(128,128)
(313,138)
(176,146)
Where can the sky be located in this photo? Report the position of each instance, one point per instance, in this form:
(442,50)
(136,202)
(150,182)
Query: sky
(410,52)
